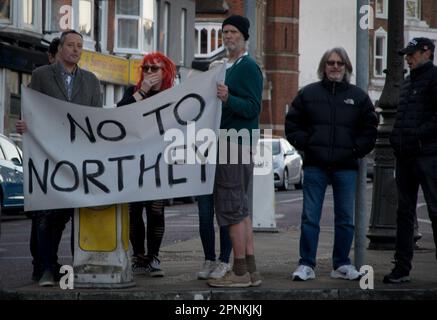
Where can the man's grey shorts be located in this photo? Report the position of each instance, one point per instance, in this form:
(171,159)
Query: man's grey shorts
(232,192)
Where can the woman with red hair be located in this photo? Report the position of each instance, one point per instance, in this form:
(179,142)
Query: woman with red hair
(157,74)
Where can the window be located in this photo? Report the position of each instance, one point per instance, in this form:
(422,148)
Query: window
(86,18)
(183,34)
(28,12)
(103,24)
(213,41)
(135,25)
(148,25)
(23,14)
(5,11)
(60,16)
(381,8)
(128,19)
(220,39)
(204,41)
(412,9)
(165,27)
(260,10)
(157,24)
(9,150)
(276,147)
(380,53)
(208,39)
(75,14)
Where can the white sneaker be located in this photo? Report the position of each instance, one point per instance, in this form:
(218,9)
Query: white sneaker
(47,279)
(220,271)
(207,268)
(154,268)
(303,273)
(348,272)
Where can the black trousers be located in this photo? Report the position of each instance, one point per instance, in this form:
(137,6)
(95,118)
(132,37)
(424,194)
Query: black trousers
(155,226)
(45,237)
(410,173)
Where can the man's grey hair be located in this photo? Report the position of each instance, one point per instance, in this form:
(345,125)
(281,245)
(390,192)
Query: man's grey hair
(343,56)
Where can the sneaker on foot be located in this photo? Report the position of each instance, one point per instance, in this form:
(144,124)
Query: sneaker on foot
(207,268)
(220,270)
(348,272)
(231,280)
(397,275)
(47,279)
(139,264)
(255,279)
(303,273)
(154,267)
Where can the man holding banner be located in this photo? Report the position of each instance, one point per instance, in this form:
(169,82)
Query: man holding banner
(63,80)
(241,96)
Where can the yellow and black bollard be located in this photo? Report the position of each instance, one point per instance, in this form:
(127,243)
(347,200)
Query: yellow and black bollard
(101,257)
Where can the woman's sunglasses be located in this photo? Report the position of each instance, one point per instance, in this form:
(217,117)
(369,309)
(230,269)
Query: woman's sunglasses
(154,68)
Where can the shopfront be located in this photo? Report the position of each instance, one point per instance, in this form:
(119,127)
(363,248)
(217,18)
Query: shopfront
(18,57)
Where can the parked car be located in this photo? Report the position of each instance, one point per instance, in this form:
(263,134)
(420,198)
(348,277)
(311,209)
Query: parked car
(11,176)
(287,164)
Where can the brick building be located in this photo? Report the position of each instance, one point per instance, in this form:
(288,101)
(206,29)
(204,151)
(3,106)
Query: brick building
(420,21)
(117,33)
(273,43)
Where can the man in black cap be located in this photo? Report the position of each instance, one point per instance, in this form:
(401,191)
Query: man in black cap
(241,96)
(414,141)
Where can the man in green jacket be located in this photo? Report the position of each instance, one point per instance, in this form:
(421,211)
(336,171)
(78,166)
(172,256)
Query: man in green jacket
(241,96)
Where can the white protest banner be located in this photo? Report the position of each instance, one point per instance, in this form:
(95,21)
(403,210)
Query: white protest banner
(78,156)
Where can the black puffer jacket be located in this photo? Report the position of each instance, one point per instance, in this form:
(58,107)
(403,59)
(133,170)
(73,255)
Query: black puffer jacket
(415,128)
(333,123)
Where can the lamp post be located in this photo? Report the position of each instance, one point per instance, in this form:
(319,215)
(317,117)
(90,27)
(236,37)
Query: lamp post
(362,81)
(382,226)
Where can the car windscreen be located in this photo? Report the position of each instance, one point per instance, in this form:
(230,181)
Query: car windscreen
(10,150)
(276,147)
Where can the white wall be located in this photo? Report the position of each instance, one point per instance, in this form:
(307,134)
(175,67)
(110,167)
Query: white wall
(324,25)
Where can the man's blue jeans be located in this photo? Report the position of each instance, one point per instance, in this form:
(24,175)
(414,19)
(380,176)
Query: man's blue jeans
(314,187)
(207,233)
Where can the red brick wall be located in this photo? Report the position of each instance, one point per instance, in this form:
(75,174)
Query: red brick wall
(283,8)
(281,60)
(281,56)
(266,114)
(429,12)
(236,6)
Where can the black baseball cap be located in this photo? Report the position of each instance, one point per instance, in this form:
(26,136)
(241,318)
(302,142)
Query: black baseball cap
(417,44)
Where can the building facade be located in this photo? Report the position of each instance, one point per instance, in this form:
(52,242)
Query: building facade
(420,21)
(319,32)
(273,43)
(117,33)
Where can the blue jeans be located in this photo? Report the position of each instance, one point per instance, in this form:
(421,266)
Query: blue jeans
(314,187)
(207,233)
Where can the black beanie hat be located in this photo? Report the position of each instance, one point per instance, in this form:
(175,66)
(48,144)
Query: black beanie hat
(239,22)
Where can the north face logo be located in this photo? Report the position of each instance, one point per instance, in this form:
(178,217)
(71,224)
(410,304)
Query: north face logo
(349,101)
